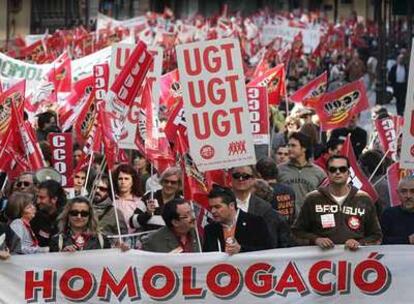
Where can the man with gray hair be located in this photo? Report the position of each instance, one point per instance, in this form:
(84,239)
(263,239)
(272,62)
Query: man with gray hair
(398,222)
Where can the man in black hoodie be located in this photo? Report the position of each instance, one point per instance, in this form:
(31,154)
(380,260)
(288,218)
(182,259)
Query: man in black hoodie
(338,213)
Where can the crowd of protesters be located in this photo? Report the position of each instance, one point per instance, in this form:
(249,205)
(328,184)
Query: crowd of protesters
(297,194)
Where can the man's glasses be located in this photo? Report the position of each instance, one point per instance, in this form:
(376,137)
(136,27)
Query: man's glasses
(102,189)
(77,212)
(171,182)
(241,176)
(23,184)
(342,169)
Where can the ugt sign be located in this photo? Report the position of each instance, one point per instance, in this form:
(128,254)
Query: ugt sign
(215,104)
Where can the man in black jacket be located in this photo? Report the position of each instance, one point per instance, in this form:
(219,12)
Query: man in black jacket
(233,231)
(398,78)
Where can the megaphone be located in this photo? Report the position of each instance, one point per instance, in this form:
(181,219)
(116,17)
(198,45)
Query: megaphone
(45,174)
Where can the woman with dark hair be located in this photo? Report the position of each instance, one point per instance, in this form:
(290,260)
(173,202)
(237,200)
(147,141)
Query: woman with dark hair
(21,210)
(148,217)
(78,228)
(126,183)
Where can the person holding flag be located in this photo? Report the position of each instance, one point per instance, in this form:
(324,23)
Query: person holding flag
(338,213)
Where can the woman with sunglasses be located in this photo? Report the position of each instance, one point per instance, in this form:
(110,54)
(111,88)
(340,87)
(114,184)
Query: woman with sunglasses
(78,228)
(149,217)
(126,184)
(21,210)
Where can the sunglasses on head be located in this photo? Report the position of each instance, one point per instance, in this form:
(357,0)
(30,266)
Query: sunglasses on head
(24,184)
(76,213)
(342,169)
(242,176)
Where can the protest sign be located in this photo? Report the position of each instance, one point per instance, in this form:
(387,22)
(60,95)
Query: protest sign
(120,54)
(215,106)
(407,154)
(61,156)
(259,114)
(373,274)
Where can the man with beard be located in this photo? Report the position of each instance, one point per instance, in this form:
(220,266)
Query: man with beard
(105,211)
(338,213)
(51,198)
(398,222)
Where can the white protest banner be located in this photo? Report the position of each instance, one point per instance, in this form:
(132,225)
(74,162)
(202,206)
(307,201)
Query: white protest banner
(407,151)
(215,104)
(120,54)
(373,274)
(103,22)
(13,68)
(259,114)
(311,37)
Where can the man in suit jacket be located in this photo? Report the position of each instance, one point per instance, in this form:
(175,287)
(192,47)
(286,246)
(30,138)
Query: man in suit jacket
(234,230)
(178,234)
(242,185)
(398,78)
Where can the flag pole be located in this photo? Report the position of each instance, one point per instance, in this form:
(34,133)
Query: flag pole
(382,160)
(88,172)
(378,166)
(196,229)
(115,205)
(97,178)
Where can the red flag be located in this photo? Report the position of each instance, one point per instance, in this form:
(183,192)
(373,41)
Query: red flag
(176,124)
(23,137)
(14,95)
(337,108)
(61,73)
(262,66)
(274,80)
(171,91)
(358,179)
(314,89)
(122,93)
(195,186)
(157,148)
(388,131)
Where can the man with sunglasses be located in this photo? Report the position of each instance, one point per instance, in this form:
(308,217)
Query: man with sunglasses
(105,210)
(338,213)
(178,235)
(25,183)
(243,179)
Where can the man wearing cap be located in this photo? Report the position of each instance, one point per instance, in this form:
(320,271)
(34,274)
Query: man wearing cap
(337,213)
(234,230)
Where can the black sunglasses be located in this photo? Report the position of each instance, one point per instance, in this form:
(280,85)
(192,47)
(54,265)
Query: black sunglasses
(342,169)
(241,176)
(103,189)
(76,213)
(24,184)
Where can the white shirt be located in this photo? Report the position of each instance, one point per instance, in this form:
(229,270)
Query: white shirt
(340,199)
(400,77)
(244,205)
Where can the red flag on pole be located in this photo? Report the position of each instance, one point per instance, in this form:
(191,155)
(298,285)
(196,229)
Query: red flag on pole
(358,179)
(314,89)
(337,108)
(274,81)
